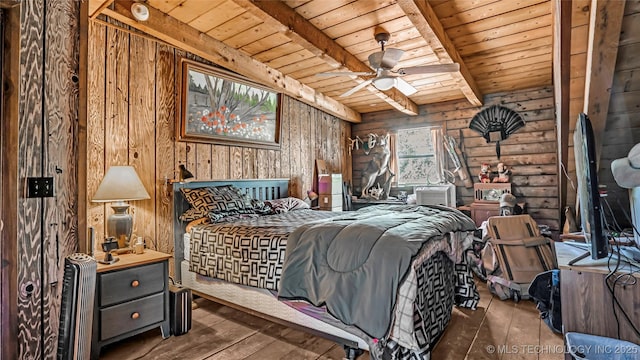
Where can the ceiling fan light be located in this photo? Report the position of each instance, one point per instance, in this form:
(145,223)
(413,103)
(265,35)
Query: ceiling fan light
(384,83)
(404,87)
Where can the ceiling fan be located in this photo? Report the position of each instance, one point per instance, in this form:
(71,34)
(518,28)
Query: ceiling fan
(383,62)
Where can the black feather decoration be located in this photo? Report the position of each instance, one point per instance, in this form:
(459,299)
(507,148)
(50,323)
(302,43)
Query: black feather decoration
(496,123)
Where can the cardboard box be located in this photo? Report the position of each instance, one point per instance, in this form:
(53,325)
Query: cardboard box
(330,201)
(330,184)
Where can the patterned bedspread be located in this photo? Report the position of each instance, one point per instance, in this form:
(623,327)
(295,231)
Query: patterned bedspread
(248,251)
(251,252)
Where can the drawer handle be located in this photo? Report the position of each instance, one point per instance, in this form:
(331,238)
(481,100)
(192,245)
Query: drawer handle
(135,315)
(135,283)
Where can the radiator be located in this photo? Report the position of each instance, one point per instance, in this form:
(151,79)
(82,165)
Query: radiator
(76,311)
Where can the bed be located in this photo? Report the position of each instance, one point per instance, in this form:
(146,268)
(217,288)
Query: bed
(271,266)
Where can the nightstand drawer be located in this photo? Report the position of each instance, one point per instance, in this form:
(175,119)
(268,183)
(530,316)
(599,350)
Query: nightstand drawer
(131,283)
(131,315)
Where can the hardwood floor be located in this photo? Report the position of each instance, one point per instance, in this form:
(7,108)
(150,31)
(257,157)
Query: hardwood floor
(513,330)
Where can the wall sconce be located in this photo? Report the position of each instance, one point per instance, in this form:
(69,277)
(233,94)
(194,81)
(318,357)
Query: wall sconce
(311,197)
(183,175)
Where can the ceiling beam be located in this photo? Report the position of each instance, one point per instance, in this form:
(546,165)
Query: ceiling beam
(183,36)
(561,79)
(7,4)
(283,18)
(96,7)
(605,23)
(426,22)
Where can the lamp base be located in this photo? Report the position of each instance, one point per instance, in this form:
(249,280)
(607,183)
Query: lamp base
(120,224)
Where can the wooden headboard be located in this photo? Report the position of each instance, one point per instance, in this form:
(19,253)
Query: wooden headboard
(263,189)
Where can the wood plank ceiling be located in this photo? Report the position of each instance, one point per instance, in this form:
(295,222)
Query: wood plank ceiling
(500,45)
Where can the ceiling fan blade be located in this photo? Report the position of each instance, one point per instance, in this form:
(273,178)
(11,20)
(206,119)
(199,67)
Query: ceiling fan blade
(404,87)
(345,73)
(375,59)
(390,58)
(360,86)
(430,69)
(386,59)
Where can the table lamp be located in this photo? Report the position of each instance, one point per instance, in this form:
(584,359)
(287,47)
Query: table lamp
(120,184)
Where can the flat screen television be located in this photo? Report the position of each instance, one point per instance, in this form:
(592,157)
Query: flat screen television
(591,213)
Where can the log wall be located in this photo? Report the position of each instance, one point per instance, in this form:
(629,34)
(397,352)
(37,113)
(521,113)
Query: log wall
(134,84)
(622,130)
(530,152)
(623,125)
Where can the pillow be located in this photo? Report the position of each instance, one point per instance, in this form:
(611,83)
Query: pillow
(261,208)
(193,214)
(216,199)
(193,223)
(287,204)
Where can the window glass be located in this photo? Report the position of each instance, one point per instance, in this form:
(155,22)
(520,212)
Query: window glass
(417,155)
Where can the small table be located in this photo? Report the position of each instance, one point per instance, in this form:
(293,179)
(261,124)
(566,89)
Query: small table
(486,201)
(480,212)
(132,296)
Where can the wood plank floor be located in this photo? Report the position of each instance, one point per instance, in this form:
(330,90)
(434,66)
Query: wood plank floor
(497,330)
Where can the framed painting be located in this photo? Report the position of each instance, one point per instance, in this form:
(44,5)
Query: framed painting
(220,107)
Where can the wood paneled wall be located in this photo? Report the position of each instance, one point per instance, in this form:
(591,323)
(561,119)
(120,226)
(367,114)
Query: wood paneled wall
(530,152)
(134,83)
(581,10)
(9,184)
(42,97)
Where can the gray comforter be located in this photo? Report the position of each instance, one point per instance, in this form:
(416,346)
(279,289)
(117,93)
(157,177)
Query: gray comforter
(354,263)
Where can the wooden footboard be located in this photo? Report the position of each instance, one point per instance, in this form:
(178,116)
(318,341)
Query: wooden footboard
(263,303)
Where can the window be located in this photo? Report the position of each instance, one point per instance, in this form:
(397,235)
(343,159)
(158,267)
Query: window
(418,156)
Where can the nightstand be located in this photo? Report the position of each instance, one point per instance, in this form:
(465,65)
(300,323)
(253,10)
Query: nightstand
(132,296)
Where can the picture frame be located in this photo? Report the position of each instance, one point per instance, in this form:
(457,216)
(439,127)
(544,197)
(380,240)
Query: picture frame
(220,107)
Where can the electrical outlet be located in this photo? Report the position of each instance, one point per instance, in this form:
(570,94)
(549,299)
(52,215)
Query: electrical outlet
(39,187)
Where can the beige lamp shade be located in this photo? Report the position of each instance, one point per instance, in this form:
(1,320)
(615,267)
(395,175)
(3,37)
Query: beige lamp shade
(121,183)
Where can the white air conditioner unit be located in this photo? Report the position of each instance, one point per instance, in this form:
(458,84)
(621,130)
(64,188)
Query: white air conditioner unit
(436,195)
